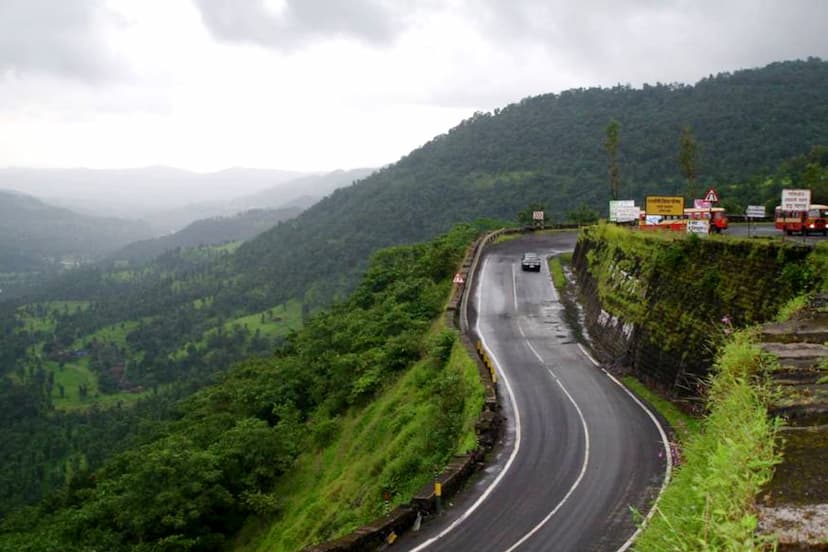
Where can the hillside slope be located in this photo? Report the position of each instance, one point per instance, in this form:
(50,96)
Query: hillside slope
(211,231)
(547,149)
(34,234)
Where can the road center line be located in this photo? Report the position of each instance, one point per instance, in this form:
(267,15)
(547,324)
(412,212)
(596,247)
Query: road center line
(577,482)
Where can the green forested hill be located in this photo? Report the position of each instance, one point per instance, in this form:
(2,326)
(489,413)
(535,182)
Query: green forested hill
(34,235)
(175,325)
(210,231)
(195,475)
(548,149)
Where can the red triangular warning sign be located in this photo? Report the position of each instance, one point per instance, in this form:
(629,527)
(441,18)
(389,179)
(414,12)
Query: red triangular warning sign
(712,196)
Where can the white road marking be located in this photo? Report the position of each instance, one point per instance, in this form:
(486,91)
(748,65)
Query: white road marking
(668,471)
(505,379)
(577,482)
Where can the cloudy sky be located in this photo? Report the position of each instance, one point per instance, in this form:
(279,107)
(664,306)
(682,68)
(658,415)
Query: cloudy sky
(326,84)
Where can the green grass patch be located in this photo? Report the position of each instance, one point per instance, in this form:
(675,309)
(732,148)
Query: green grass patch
(709,503)
(390,444)
(556,270)
(114,333)
(789,309)
(276,321)
(684,425)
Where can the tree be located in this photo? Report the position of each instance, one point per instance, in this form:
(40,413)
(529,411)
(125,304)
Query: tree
(611,145)
(688,160)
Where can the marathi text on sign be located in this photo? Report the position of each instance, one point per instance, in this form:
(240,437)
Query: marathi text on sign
(665,206)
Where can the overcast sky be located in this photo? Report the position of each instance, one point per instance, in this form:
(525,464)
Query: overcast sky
(326,84)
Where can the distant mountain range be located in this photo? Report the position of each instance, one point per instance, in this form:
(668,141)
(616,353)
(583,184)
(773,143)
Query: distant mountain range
(301,192)
(210,231)
(35,235)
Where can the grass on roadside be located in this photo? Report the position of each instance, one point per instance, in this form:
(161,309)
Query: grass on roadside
(390,444)
(684,425)
(709,503)
(556,270)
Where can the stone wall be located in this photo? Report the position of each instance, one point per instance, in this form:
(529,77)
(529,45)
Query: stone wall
(660,305)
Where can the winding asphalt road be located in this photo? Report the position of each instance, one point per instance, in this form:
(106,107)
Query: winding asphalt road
(579,452)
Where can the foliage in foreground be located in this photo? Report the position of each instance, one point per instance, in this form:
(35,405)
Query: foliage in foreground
(709,504)
(221,461)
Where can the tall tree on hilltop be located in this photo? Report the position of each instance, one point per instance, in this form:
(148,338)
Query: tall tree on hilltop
(611,145)
(688,160)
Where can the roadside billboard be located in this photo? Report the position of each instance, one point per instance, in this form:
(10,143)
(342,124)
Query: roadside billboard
(667,206)
(619,210)
(755,211)
(796,200)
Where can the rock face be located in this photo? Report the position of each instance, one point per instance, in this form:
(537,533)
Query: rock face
(794,506)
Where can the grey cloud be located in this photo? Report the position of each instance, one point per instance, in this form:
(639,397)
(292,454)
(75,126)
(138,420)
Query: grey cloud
(642,39)
(299,21)
(53,37)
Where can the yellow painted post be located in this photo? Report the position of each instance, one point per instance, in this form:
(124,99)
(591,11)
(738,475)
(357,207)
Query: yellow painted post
(392,536)
(438,494)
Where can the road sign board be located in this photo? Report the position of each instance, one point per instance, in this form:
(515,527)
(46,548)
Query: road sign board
(627,213)
(615,205)
(796,200)
(665,205)
(458,279)
(537,215)
(755,211)
(702,204)
(711,195)
(700,227)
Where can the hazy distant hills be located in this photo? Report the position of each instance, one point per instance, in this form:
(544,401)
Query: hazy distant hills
(35,235)
(301,192)
(210,231)
(547,149)
(169,198)
(134,193)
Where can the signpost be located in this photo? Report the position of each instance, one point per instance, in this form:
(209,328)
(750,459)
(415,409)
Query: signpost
(537,216)
(615,205)
(711,195)
(796,200)
(698,227)
(668,206)
(458,279)
(752,212)
(628,213)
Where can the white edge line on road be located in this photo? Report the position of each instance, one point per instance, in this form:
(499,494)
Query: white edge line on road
(512,457)
(577,482)
(667,454)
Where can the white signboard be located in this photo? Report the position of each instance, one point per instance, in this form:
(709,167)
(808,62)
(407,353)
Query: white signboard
(537,215)
(796,200)
(755,211)
(615,205)
(701,227)
(627,213)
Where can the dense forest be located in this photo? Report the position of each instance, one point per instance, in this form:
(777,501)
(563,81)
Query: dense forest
(211,231)
(549,150)
(197,470)
(97,363)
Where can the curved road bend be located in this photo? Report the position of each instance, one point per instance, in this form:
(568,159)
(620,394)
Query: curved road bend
(578,452)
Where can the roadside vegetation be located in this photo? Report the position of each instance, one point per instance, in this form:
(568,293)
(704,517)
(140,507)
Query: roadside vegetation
(709,505)
(371,390)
